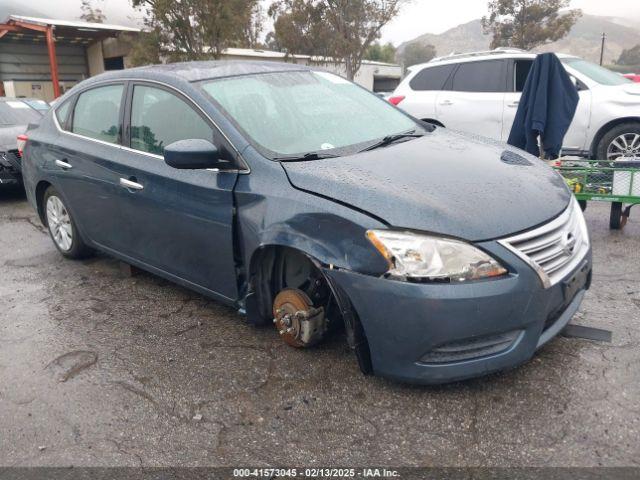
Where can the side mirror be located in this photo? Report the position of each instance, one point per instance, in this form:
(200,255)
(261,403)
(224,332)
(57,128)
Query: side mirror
(193,154)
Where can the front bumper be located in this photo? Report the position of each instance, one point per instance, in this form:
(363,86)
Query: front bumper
(437,333)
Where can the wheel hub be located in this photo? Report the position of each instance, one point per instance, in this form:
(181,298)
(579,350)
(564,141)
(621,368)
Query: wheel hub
(59,223)
(624,146)
(299,323)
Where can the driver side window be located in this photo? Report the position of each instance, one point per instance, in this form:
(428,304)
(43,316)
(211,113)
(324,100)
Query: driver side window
(159,118)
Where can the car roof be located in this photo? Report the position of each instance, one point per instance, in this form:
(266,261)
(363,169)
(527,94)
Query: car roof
(204,70)
(481,56)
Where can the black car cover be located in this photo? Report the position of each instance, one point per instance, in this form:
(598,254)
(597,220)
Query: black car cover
(547,106)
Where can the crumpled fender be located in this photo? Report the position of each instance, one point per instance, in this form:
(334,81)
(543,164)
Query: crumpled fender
(271,212)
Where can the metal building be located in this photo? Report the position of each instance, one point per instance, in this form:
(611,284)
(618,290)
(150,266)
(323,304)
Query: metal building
(42,57)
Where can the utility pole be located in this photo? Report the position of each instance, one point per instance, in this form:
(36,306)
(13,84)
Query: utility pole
(604,37)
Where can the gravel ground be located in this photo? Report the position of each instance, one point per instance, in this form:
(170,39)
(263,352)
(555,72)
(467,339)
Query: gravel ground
(97,369)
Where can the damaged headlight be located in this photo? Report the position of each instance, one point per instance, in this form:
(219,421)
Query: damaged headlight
(424,257)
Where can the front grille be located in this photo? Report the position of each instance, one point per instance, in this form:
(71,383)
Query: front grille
(554,249)
(471,348)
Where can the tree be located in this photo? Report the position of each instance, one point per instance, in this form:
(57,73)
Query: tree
(91,14)
(341,30)
(272,43)
(195,29)
(527,24)
(145,48)
(416,53)
(381,53)
(253,27)
(630,56)
(357,24)
(300,27)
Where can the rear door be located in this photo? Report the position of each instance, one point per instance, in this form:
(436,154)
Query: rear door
(422,91)
(87,161)
(178,221)
(473,98)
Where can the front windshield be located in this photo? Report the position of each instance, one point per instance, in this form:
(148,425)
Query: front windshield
(294,113)
(16,112)
(595,72)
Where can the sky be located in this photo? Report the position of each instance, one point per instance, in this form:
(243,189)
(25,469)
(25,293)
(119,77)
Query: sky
(436,16)
(416,17)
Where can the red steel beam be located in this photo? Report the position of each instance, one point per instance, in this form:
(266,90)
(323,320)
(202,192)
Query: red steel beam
(53,63)
(18,26)
(5,27)
(31,26)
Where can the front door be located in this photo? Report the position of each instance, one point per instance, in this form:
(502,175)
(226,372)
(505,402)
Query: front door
(179,221)
(473,99)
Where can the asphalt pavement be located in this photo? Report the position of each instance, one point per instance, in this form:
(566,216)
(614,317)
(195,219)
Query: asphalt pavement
(100,369)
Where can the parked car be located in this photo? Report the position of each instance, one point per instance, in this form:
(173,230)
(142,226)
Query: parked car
(634,77)
(304,200)
(479,93)
(15,115)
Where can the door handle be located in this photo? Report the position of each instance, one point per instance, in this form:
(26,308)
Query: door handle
(64,165)
(129,184)
(446,103)
(513,104)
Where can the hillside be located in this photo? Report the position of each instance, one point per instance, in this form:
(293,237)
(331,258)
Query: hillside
(583,40)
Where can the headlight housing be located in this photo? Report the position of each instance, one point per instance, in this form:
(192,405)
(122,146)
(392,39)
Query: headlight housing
(582,222)
(419,257)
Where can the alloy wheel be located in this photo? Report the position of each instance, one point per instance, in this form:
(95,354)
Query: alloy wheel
(626,145)
(59,223)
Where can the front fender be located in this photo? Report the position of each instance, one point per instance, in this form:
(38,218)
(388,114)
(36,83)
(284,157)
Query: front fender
(271,212)
(326,237)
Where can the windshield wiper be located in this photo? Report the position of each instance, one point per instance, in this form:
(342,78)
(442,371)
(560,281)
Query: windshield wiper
(306,156)
(389,139)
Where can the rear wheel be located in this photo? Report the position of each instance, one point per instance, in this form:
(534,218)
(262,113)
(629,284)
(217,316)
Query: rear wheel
(619,143)
(62,228)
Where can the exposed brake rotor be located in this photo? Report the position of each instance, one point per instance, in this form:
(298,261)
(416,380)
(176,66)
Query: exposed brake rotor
(299,323)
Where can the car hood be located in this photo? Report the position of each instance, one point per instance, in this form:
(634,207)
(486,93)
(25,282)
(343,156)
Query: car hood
(8,136)
(445,182)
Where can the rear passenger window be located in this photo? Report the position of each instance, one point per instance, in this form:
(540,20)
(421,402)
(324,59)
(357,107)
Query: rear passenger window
(431,78)
(97,113)
(159,118)
(522,69)
(488,76)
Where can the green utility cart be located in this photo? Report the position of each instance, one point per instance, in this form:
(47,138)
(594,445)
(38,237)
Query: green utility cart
(617,182)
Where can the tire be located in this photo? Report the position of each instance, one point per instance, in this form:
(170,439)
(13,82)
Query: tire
(62,227)
(583,204)
(615,219)
(606,147)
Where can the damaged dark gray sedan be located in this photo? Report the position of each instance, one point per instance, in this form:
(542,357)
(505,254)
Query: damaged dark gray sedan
(308,202)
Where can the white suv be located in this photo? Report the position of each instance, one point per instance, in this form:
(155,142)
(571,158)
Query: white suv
(479,93)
